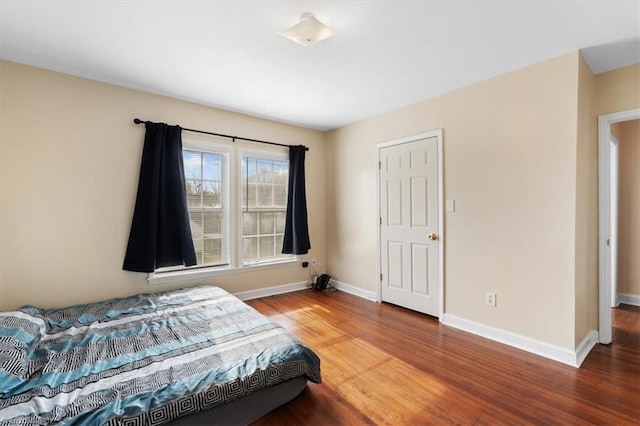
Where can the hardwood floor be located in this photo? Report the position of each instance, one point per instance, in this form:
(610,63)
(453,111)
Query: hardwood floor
(382,364)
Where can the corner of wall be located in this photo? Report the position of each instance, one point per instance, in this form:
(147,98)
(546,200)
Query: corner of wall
(330,207)
(586,210)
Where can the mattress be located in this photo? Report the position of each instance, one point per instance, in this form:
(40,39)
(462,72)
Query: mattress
(145,359)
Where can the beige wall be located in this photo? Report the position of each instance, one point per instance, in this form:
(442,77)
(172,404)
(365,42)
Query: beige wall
(586,291)
(70,157)
(510,165)
(629,208)
(618,90)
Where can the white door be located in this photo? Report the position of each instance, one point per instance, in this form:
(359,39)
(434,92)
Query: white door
(409,225)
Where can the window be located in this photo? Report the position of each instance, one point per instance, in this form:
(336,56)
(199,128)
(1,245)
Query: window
(237,201)
(203,173)
(264,207)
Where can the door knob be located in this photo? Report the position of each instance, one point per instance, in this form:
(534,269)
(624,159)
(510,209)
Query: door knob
(433,237)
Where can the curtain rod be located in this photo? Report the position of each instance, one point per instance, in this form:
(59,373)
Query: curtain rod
(138,121)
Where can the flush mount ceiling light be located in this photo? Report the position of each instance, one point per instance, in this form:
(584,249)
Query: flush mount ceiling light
(308,31)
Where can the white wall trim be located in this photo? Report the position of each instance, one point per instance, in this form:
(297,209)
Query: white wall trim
(289,288)
(585,346)
(613,215)
(556,353)
(356,291)
(270,291)
(440,133)
(628,299)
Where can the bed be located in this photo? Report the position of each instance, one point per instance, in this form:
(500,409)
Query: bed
(149,359)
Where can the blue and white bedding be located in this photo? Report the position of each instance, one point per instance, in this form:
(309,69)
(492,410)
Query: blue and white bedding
(145,359)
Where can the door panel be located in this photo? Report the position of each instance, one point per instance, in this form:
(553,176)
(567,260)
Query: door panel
(419,204)
(409,213)
(419,158)
(394,201)
(395,264)
(420,273)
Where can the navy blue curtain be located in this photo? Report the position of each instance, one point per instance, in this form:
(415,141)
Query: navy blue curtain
(296,229)
(160,232)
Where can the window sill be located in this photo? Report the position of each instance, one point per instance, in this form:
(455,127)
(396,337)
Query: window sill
(186,275)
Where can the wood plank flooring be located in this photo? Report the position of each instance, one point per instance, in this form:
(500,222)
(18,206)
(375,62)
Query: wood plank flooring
(382,364)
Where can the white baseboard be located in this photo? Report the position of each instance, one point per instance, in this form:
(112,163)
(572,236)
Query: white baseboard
(584,347)
(356,291)
(628,299)
(270,291)
(556,353)
(288,288)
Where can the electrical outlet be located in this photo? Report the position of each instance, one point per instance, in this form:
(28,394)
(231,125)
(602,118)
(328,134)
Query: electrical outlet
(490,299)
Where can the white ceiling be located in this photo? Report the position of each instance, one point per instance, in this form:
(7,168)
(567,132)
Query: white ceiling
(386,54)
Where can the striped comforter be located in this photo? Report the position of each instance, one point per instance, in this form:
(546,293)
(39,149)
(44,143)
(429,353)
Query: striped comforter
(146,359)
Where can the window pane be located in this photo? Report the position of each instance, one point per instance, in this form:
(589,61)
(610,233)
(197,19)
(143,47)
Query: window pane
(250,190)
(267,223)
(279,241)
(211,194)
(194,196)
(199,257)
(211,166)
(192,164)
(265,195)
(250,223)
(213,251)
(281,172)
(212,225)
(280,196)
(197,230)
(249,248)
(280,219)
(265,171)
(266,247)
(249,170)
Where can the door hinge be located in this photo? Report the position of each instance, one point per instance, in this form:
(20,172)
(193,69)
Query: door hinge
(380,220)
(379,164)
(380,276)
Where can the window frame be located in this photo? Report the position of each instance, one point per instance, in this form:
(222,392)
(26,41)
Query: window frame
(233,198)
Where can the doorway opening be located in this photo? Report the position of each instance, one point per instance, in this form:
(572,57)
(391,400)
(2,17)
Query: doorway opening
(609,249)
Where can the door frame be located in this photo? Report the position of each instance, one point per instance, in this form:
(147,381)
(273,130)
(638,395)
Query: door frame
(604,218)
(613,209)
(438,133)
